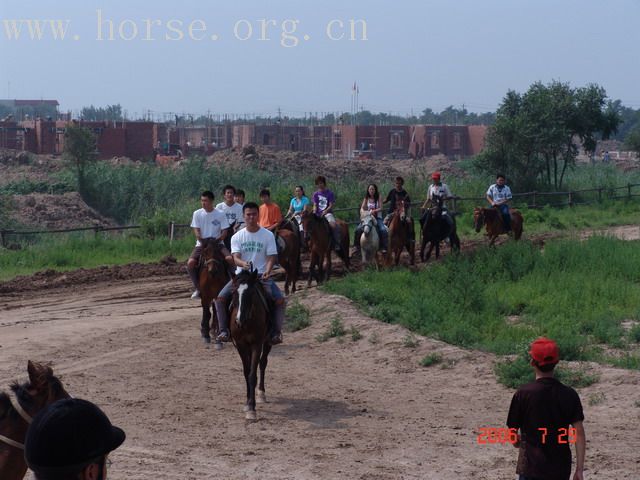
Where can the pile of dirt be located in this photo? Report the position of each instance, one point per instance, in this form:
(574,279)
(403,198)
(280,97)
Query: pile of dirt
(17,166)
(53,212)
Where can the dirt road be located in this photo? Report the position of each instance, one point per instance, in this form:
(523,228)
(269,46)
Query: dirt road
(338,409)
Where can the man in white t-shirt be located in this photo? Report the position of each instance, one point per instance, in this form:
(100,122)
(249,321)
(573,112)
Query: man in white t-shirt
(207,222)
(253,244)
(229,207)
(499,196)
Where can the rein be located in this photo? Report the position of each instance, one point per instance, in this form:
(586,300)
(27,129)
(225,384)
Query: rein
(25,416)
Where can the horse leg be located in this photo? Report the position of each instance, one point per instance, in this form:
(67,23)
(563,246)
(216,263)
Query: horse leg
(312,263)
(252,381)
(245,356)
(422,247)
(437,250)
(206,319)
(261,396)
(327,270)
(430,250)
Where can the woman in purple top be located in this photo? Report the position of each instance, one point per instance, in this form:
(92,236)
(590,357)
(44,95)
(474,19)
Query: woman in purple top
(323,201)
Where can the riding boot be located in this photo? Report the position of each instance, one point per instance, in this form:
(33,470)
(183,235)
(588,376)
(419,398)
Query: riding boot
(193,275)
(278,318)
(223,320)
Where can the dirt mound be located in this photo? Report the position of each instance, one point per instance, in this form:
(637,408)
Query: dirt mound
(53,212)
(16,166)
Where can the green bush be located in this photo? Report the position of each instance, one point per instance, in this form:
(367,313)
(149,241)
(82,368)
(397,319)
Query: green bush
(297,316)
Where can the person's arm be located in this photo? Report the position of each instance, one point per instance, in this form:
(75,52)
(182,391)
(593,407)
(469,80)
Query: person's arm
(363,205)
(237,258)
(223,234)
(196,232)
(271,260)
(490,200)
(388,199)
(581,447)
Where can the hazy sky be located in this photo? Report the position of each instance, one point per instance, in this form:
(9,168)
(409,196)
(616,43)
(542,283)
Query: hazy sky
(416,54)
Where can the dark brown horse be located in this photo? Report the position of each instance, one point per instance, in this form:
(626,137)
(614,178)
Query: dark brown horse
(492,220)
(17,408)
(289,257)
(318,235)
(249,324)
(214,275)
(400,235)
(435,229)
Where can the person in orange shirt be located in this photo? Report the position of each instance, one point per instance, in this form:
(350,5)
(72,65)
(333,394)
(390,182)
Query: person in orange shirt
(269,214)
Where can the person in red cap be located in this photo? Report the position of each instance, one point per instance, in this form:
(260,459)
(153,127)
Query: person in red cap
(437,191)
(543,412)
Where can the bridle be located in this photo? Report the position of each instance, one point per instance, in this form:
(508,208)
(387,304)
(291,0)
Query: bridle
(25,416)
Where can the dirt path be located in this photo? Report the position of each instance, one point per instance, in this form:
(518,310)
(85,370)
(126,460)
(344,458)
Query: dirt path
(338,409)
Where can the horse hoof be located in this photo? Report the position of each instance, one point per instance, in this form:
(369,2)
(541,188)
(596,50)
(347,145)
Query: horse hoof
(246,408)
(261,397)
(218,345)
(251,415)
(206,340)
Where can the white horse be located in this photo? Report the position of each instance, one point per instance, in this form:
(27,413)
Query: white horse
(369,241)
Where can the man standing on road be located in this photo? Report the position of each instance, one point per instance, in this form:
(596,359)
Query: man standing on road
(543,411)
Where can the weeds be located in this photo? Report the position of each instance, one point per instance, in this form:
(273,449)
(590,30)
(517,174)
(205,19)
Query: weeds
(297,316)
(355,334)
(431,359)
(597,398)
(335,329)
(410,341)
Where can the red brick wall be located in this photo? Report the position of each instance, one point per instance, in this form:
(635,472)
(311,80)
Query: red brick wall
(139,140)
(8,135)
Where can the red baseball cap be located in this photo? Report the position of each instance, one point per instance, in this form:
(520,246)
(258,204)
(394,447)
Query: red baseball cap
(545,351)
(436,175)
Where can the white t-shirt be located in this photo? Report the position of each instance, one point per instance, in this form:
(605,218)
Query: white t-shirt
(233,212)
(210,223)
(254,247)
(441,190)
(498,194)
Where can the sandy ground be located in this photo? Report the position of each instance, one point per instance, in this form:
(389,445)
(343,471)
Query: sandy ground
(339,409)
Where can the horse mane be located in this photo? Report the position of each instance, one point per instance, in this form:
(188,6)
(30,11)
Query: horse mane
(21,393)
(490,213)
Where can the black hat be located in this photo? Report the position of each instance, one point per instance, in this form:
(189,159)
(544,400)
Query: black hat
(69,435)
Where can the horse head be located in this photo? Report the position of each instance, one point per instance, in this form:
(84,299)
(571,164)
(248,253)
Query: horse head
(367,220)
(400,208)
(478,218)
(212,256)
(245,284)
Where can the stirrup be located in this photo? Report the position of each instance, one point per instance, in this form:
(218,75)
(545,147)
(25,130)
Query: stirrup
(224,336)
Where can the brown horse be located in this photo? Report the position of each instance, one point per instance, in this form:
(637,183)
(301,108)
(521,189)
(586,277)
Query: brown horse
(249,324)
(16,411)
(492,220)
(400,235)
(289,257)
(318,235)
(214,275)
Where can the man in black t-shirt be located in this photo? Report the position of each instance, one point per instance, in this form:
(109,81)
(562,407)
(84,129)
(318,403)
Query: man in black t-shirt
(549,417)
(398,194)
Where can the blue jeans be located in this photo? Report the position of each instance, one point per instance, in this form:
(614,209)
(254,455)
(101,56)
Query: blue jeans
(506,216)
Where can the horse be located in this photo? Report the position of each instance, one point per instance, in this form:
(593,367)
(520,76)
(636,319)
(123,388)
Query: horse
(369,240)
(289,257)
(16,411)
(214,275)
(400,233)
(233,228)
(491,218)
(435,229)
(318,234)
(249,324)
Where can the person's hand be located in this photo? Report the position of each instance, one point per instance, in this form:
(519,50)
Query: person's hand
(265,275)
(579,475)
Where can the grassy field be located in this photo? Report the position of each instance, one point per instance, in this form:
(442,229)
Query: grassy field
(499,300)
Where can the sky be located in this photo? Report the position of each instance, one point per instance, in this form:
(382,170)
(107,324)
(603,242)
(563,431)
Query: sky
(244,57)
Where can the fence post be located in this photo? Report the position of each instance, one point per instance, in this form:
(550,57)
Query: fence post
(535,201)
(600,194)
(2,241)
(171,232)
(629,190)
(571,199)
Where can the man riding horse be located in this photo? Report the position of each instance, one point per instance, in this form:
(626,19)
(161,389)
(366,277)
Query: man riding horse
(323,201)
(395,195)
(207,222)
(253,245)
(438,191)
(499,195)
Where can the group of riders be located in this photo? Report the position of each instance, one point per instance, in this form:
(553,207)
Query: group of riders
(251,229)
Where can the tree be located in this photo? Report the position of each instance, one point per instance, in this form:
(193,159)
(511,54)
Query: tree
(79,150)
(534,137)
(109,113)
(632,140)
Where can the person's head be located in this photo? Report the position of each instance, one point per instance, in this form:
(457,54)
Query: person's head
(299,191)
(321,182)
(436,177)
(250,213)
(206,200)
(500,180)
(229,192)
(71,439)
(265,195)
(372,191)
(239,196)
(544,354)
(399,182)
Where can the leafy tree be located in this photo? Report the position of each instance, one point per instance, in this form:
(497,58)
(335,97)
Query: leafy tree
(109,113)
(79,150)
(534,137)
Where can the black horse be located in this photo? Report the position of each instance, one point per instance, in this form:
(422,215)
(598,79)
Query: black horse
(435,228)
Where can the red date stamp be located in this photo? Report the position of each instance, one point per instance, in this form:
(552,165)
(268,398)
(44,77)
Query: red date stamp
(492,435)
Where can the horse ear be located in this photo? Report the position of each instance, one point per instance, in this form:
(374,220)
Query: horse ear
(39,374)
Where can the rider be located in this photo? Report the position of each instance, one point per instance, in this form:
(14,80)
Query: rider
(323,201)
(270,215)
(229,207)
(239,199)
(437,190)
(298,205)
(256,245)
(499,195)
(71,438)
(399,193)
(207,222)
(372,203)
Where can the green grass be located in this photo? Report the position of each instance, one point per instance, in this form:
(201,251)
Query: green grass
(575,292)
(335,330)
(516,372)
(431,359)
(297,316)
(73,251)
